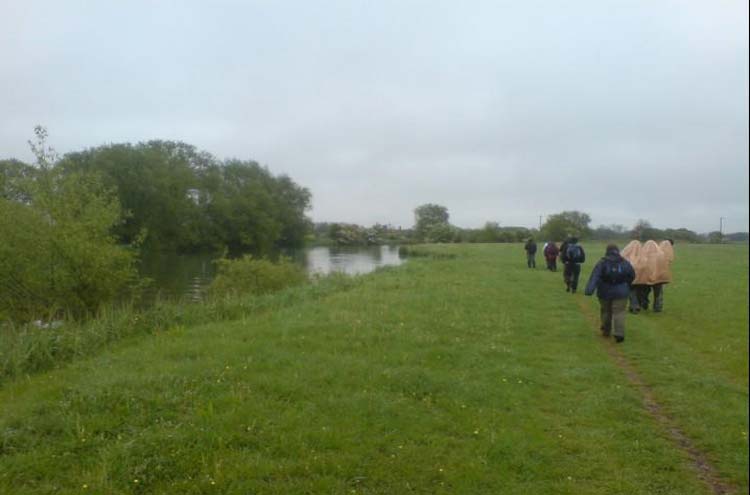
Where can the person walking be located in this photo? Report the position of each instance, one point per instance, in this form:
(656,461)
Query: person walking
(564,260)
(611,279)
(659,258)
(572,257)
(663,273)
(550,254)
(639,287)
(530,248)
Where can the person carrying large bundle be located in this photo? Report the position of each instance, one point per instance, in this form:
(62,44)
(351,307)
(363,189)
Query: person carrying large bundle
(652,264)
(661,273)
(639,286)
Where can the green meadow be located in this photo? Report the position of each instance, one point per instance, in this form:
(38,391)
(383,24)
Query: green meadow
(459,372)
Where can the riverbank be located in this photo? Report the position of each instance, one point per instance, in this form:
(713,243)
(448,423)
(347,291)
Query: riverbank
(31,349)
(464,374)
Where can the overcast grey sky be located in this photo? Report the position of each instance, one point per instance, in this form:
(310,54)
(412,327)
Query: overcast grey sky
(499,110)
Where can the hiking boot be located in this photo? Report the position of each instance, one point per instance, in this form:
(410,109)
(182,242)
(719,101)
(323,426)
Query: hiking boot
(567,289)
(619,339)
(606,333)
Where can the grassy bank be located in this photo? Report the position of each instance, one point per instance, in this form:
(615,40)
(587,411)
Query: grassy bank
(31,349)
(465,374)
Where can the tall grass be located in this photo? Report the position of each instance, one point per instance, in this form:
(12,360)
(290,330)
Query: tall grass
(28,348)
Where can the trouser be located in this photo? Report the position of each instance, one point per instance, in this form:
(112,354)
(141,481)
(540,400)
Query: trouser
(612,312)
(570,275)
(531,260)
(640,294)
(552,264)
(658,297)
(639,297)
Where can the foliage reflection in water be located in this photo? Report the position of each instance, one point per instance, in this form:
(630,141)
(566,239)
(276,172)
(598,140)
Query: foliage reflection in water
(188,276)
(353,261)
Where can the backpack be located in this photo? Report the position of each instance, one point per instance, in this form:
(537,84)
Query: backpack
(574,253)
(613,272)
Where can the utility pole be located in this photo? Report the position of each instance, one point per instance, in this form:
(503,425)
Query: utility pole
(721,226)
(540,222)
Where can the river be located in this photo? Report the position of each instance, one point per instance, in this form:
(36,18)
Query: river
(188,275)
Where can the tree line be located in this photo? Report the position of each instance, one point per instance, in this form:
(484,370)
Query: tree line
(432,224)
(175,197)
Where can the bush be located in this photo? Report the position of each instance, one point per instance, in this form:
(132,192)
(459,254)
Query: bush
(248,275)
(442,233)
(58,257)
(431,251)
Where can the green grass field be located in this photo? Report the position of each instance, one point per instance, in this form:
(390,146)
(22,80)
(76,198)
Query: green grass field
(468,375)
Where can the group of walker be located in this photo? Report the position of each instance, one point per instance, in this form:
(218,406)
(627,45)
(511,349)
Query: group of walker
(616,278)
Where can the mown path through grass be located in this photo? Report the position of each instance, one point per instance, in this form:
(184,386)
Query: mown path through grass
(465,375)
(703,468)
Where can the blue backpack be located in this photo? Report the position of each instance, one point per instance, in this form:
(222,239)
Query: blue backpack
(613,272)
(574,253)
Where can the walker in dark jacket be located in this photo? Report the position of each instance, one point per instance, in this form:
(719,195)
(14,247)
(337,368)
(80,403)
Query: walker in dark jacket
(550,254)
(611,279)
(572,266)
(530,248)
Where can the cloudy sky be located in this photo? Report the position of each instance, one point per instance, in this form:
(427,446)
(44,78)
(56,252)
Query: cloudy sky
(499,110)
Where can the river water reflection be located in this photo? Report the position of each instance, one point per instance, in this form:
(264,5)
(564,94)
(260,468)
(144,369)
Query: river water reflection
(354,261)
(188,276)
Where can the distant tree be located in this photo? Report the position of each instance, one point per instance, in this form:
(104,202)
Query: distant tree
(715,237)
(737,237)
(15,177)
(489,233)
(349,234)
(610,232)
(428,217)
(644,231)
(681,234)
(568,223)
(430,214)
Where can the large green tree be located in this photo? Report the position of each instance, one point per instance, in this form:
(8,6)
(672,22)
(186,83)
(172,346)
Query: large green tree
(153,182)
(431,218)
(643,231)
(562,225)
(187,200)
